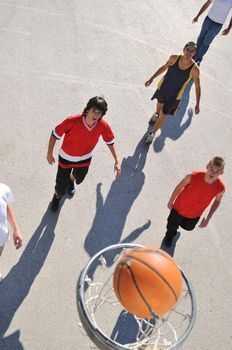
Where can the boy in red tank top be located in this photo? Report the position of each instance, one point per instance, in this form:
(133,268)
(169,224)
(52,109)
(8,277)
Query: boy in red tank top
(192,196)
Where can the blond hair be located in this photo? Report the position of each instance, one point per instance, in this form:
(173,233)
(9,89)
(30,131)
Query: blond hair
(218,162)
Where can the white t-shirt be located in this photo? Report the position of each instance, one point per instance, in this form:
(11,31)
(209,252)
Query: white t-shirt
(220,10)
(6,198)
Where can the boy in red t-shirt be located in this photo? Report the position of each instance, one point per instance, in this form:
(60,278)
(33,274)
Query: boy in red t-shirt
(81,133)
(192,196)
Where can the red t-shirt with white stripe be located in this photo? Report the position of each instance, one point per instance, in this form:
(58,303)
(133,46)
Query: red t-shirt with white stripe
(197,195)
(80,140)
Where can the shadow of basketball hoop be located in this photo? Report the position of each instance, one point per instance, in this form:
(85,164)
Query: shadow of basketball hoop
(125,329)
(111,213)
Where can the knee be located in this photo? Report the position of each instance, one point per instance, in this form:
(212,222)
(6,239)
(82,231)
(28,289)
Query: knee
(207,41)
(79,181)
(187,227)
(80,174)
(78,178)
(60,188)
(206,45)
(60,192)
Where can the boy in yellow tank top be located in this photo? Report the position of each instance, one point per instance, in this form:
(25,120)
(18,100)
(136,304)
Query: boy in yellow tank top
(180,70)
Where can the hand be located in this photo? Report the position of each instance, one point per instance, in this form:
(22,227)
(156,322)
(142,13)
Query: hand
(195,19)
(225,31)
(117,168)
(204,223)
(18,240)
(148,83)
(50,159)
(197,109)
(170,205)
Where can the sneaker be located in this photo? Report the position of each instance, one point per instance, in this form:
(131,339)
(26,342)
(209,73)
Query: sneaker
(154,118)
(150,138)
(71,188)
(55,203)
(168,241)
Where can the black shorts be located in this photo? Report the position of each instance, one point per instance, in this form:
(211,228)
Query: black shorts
(170,104)
(175,220)
(63,176)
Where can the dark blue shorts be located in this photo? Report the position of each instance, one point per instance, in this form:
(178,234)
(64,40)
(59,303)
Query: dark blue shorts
(170,104)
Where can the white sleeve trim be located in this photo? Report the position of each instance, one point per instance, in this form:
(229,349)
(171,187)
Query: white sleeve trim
(56,135)
(110,142)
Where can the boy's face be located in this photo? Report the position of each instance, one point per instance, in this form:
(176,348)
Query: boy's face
(94,114)
(189,51)
(213,172)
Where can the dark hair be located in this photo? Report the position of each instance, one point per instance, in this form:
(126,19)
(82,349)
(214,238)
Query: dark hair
(98,102)
(191,43)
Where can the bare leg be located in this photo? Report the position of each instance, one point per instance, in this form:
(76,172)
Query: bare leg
(71,186)
(159,107)
(155,116)
(159,122)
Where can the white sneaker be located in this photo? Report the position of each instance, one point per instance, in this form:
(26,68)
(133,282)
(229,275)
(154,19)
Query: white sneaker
(150,138)
(154,118)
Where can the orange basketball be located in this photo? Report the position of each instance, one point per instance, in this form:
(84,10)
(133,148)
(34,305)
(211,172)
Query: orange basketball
(147,280)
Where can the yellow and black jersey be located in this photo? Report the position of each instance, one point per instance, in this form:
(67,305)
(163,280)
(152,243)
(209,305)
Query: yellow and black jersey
(176,79)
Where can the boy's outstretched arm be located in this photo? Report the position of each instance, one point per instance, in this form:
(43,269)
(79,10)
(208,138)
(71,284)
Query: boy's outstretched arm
(196,78)
(178,189)
(161,70)
(227,30)
(117,164)
(203,8)
(51,145)
(214,206)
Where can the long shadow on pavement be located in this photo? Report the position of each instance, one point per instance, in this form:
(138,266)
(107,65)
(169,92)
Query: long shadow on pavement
(16,285)
(111,214)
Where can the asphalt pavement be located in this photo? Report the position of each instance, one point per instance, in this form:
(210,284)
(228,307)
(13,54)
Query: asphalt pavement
(54,56)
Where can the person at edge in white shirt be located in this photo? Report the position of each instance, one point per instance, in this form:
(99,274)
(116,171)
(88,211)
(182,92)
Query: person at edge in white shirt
(212,24)
(7,215)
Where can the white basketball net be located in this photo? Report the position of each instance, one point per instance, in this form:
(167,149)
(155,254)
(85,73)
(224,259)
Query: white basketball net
(108,315)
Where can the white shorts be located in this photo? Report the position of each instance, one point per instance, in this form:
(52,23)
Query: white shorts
(4,238)
(5,199)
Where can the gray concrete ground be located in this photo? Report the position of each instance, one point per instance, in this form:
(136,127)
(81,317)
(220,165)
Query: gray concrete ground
(54,56)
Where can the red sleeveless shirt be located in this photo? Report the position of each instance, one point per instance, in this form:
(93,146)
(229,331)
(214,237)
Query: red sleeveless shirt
(197,195)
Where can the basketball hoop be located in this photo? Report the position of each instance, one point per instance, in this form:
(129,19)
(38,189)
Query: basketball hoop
(111,327)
